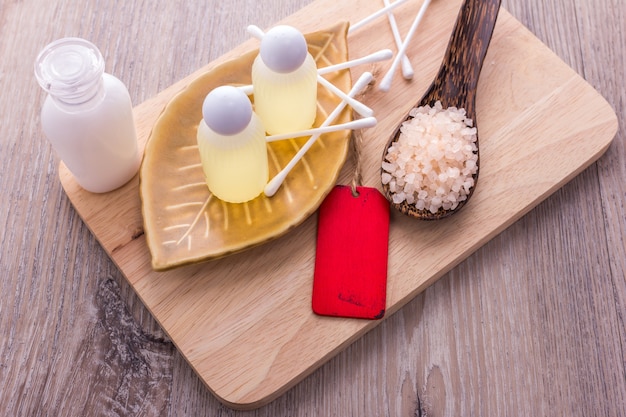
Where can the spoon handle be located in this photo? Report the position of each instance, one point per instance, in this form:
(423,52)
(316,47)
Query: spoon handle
(455,85)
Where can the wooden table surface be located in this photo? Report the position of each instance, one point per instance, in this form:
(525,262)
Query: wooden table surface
(530,324)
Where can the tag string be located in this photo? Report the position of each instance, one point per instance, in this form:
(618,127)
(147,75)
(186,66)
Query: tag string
(356,143)
(356,146)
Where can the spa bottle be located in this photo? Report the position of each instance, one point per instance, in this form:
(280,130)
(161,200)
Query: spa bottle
(232,146)
(87,115)
(284,79)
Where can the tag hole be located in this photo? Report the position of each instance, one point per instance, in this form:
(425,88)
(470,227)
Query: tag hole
(355,193)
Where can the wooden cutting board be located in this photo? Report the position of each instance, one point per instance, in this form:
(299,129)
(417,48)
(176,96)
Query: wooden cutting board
(244,323)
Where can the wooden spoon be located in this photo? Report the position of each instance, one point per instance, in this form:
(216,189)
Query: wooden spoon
(456,82)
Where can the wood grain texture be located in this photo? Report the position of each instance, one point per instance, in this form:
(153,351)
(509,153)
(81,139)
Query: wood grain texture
(530,324)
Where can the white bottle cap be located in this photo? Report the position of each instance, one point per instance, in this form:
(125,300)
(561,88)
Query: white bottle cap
(283,49)
(227,110)
(70,69)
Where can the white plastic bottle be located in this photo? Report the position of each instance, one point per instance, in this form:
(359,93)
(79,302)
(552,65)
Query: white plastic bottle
(87,116)
(284,79)
(233,150)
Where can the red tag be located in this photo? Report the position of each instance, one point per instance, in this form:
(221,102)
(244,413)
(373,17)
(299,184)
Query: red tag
(350,277)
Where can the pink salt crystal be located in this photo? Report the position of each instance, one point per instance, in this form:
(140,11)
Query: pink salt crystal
(389,167)
(398,198)
(432,163)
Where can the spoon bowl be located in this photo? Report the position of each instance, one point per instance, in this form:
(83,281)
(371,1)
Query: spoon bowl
(455,84)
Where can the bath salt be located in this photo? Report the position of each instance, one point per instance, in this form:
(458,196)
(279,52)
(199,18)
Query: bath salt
(432,163)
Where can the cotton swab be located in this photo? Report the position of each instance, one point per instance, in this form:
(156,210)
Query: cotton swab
(360,108)
(255,31)
(385,84)
(382,55)
(375,15)
(355,124)
(407,69)
(274,184)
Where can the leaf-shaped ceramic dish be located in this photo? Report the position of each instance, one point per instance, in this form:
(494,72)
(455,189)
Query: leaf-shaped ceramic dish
(183,222)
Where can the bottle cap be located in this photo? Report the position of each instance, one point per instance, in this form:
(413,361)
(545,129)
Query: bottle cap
(69,68)
(227,110)
(283,49)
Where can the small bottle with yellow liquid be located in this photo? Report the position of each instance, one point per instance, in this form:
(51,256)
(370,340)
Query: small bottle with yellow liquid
(284,80)
(233,150)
